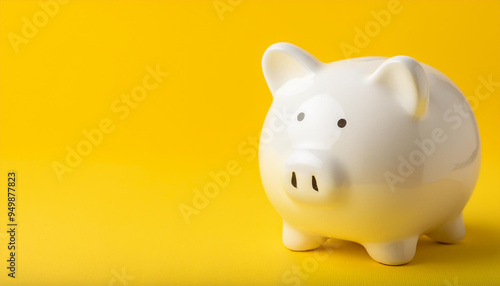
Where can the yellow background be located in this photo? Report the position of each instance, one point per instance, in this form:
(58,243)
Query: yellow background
(118,211)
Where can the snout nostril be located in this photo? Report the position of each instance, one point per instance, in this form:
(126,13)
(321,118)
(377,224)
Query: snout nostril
(314,184)
(294,180)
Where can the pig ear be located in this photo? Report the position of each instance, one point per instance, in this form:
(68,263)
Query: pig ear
(283,62)
(406,78)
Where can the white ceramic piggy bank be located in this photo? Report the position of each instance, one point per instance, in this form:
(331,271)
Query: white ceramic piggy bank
(373,150)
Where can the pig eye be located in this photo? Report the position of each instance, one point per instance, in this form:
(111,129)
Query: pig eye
(301,116)
(342,123)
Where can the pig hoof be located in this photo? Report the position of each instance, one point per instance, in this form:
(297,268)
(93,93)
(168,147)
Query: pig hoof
(393,253)
(297,240)
(451,231)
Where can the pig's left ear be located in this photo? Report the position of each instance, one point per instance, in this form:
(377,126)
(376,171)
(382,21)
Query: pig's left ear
(283,62)
(406,78)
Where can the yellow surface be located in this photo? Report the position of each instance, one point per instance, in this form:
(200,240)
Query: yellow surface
(116,218)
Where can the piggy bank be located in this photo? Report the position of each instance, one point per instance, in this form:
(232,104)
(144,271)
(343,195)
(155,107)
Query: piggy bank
(373,150)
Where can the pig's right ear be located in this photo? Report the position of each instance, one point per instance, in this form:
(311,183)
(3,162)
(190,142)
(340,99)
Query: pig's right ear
(283,62)
(407,80)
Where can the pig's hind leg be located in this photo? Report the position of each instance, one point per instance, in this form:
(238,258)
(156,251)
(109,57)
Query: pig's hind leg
(298,240)
(452,231)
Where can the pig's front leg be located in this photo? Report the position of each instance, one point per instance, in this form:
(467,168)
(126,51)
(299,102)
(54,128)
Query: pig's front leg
(298,240)
(394,252)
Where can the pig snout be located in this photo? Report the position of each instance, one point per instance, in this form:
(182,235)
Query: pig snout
(310,178)
(311,174)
